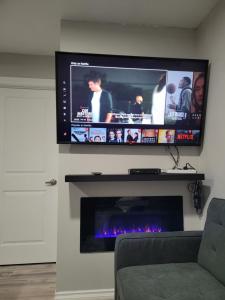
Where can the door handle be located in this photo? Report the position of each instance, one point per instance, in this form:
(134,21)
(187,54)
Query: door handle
(51,182)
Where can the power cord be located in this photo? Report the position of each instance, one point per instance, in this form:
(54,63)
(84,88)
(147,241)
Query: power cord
(176,160)
(196,189)
(188,166)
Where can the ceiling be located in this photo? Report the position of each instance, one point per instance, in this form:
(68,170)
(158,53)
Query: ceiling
(33,26)
(171,13)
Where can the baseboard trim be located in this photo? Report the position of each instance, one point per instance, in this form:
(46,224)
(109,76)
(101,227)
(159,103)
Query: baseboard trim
(86,295)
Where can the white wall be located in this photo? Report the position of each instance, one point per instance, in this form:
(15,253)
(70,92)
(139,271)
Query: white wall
(128,40)
(211,45)
(28,66)
(77,271)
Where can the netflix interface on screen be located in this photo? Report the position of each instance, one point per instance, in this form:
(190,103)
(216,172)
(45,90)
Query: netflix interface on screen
(111,100)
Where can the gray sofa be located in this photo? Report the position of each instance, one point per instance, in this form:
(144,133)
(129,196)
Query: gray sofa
(173,265)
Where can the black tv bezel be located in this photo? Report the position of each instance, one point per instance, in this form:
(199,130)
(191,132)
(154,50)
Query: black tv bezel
(202,127)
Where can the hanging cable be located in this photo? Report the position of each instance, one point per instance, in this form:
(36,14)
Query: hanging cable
(175,159)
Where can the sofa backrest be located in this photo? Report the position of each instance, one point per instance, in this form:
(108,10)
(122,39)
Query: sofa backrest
(212,249)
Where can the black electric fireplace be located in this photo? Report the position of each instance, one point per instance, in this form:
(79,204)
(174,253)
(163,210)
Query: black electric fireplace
(103,218)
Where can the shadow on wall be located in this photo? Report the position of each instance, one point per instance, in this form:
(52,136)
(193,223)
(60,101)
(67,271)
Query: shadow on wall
(119,189)
(127,150)
(206,191)
(206,196)
(96,189)
(74,205)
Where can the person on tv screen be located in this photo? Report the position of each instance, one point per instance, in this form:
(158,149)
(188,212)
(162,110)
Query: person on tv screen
(129,137)
(112,137)
(97,139)
(136,136)
(169,136)
(100,100)
(198,94)
(119,138)
(158,101)
(86,138)
(184,104)
(137,109)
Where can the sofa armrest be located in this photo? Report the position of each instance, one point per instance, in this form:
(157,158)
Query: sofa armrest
(156,248)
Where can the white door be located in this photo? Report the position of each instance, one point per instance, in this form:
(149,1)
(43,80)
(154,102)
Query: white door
(28,158)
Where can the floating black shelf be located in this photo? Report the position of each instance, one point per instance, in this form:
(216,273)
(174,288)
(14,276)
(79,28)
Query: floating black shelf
(196,177)
(127,177)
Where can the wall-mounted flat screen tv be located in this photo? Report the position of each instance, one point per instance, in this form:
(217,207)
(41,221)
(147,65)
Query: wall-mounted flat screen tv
(111,99)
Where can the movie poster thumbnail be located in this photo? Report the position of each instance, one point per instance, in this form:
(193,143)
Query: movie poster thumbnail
(198,92)
(132,135)
(79,135)
(166,136)
(197,104)
(97,135)
(187,136)
(179,96)
(149,136)
(115,136)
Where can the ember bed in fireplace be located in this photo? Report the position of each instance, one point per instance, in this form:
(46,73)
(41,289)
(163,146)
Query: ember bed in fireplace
(103,218)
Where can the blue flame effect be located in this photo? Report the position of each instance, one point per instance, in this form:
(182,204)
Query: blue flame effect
(114,232)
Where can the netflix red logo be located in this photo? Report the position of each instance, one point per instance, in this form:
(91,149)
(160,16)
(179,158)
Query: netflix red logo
(184,136)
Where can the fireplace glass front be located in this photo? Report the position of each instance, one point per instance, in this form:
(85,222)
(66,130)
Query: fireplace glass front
(104,218)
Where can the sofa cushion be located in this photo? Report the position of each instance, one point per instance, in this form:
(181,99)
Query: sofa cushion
(212,249)
(182,281)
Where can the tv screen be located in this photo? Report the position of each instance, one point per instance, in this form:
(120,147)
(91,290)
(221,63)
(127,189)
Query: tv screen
(111,99)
